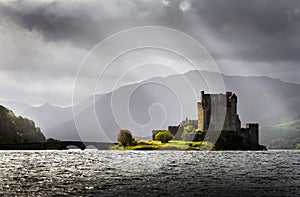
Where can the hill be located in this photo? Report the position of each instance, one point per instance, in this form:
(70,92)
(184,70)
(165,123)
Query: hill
(48,115)
(260,99)
(281,136)
(17,107)
(268,101)
(16,129)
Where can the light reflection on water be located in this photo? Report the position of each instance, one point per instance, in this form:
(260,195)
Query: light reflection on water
(155,173)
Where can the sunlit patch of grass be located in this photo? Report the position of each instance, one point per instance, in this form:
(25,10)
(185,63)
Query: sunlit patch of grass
(149,142)
(172,145)
(145,147)
(179,142)
(117,147)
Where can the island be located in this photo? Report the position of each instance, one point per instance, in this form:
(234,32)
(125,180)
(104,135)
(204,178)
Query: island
(218,128)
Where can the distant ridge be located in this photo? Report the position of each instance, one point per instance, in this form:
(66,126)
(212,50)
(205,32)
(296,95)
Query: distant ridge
(261,99)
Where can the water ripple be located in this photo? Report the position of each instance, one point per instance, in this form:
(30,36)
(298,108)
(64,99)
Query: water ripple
(155,173)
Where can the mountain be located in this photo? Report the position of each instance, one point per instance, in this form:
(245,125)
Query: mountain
(281,136)
(159,102)
(17,107)
(48,115)
(15,129)
(266,100)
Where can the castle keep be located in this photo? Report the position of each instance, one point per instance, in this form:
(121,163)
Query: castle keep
(219,111)
(215,109)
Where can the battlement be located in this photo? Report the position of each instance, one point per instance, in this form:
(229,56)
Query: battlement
(207,99)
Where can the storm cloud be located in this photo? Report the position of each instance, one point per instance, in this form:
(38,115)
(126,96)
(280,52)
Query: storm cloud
(43,42)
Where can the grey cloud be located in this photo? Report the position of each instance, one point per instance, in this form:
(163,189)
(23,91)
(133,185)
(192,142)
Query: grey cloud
(253,30)
(258,30)
(52,21)
(85,23)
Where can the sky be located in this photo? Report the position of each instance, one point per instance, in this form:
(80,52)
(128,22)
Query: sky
(43,43)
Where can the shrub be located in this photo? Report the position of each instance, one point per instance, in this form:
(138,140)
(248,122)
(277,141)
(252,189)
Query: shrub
(298,146)
(125,137)
(164,136)
(199,135)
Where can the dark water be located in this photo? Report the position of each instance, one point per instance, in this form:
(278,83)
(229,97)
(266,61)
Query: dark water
(149,173)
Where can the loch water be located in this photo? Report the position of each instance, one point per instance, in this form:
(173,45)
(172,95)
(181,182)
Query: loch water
(149,173)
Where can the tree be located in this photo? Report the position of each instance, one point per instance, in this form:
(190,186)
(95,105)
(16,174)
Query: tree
(164,136)
(125,137)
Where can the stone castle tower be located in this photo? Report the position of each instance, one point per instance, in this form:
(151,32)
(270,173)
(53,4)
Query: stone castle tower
(218,111)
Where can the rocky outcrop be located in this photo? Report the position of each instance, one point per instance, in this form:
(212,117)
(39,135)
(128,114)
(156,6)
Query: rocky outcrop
(16,129)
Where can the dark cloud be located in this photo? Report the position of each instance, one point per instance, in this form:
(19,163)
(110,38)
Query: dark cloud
(54,22)
(47,40)
(85,23)
(259,30)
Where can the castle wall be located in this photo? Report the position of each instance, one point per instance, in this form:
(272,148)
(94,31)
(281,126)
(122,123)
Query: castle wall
(238,123)
(200,116)
(253,132)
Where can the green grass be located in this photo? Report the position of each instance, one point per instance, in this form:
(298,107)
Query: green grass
(171,145)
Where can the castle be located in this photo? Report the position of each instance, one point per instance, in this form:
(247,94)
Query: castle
(217,112)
